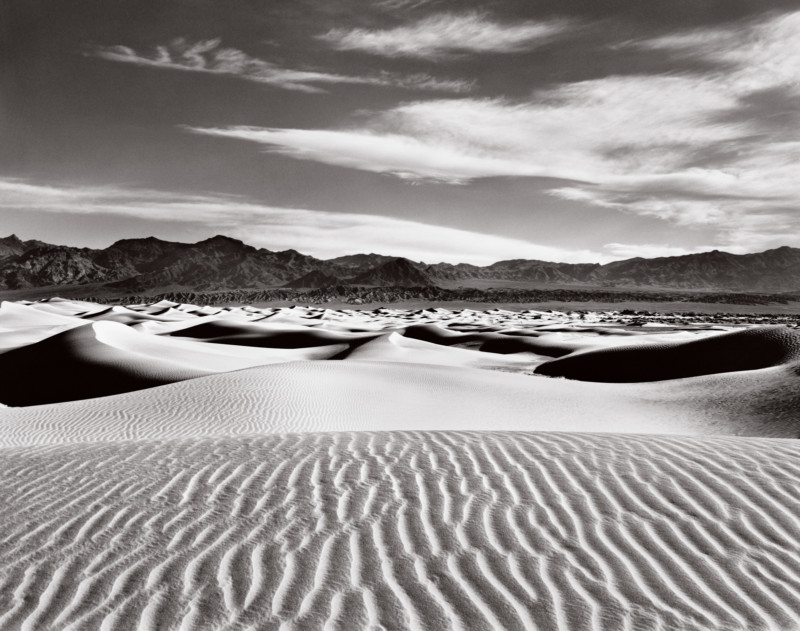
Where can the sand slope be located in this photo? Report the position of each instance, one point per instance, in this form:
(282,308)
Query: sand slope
(170,466)
(105,358)
(403,531)
(266,336)
(365,396)
(394,347)
(21,325)
(751,349)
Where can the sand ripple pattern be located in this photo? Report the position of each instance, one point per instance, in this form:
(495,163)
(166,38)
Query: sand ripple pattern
(402,530)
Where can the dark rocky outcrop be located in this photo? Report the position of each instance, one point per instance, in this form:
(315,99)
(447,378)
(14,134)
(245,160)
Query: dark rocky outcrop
(397,272)
(315,279)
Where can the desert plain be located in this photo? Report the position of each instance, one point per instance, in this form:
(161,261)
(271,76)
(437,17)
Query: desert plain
(176,466)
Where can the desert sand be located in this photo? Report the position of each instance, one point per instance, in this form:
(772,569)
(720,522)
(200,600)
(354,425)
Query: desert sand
(171,466)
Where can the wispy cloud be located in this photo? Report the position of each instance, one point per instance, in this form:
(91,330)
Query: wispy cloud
(619,128)
(320,233)
(401,4)
(425,81)
(753,56)
(709,148)
(650,250)
(446,34)
(740,225)
(209,56)
(403,155)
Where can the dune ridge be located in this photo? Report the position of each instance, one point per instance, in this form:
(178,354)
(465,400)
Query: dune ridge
(749,349)
(106,358)
(67,351)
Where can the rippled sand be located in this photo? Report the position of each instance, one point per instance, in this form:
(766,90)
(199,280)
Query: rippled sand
(305,468)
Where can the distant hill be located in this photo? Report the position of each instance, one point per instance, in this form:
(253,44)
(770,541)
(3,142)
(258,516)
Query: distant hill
(397,272)
(218,263)
(773,270)
(315,279)
(358,262)
(14,246)
(150,265)
(516,270)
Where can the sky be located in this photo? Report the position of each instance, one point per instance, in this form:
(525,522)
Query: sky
(440,130)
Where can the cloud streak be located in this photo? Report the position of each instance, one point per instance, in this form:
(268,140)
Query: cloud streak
(447,34)
(686,147)
(401,155)
(322,234)
(652,250)
(209,56)
(617,129)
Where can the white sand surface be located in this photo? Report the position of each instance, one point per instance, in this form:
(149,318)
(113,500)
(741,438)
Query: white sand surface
(16,316)
(417,530)
(125,315)
(106,358)
(323,469)
(364,396)
(23,325)
(394,347)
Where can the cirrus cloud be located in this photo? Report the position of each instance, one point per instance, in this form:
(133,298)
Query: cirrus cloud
(209,56)
(446,34)
(691,148)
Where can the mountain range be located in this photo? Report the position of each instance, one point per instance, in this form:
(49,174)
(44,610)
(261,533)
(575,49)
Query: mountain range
(150,265)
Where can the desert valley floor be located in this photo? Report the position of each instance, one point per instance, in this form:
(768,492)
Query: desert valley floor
(171,466)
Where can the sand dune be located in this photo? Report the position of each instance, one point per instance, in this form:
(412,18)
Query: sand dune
(409,530)
(551,341)
(22,325)
(369,388)
(15,316)
(107,358)
(739,350)
(76,364)
(395,347)
(265,336)
(364,395)
(124,315)
(171,466)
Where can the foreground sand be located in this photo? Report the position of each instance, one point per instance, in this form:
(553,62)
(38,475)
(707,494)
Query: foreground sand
(415,474)
(422,530)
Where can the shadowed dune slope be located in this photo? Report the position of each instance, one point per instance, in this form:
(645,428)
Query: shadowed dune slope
(105,358)
(544,339)
(544,345)
(446,337)
(319,396)
(750,349)
(21,325)
(124,315)
(76,365)
(403,530)
(252,334)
